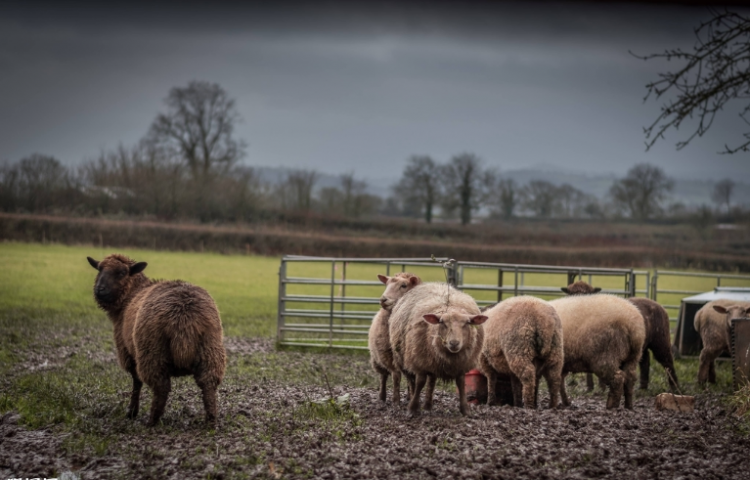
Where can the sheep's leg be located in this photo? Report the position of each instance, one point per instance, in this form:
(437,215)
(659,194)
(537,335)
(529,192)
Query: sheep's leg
(664,357)
(491,386)
(554,384)
(589,382)
(383,385)
(630,377)
(528,382)
(515,384)
(706,365)
(410,381)
(135,395)
(396,388)
(463,405)
(161,389)
(208,388)
(616,383)
(419,382)
(563,394)
(645,367)
(431,379)
(602,385)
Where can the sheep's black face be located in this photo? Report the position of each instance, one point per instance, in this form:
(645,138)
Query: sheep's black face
(113,279)
(454,329)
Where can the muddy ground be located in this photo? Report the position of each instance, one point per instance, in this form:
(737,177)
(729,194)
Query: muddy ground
(273,429)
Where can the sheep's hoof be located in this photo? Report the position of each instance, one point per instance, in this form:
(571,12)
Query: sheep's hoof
(427,406)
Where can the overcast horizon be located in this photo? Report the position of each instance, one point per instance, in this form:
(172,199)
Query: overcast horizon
(339,88)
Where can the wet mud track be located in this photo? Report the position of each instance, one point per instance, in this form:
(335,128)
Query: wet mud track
(286,431)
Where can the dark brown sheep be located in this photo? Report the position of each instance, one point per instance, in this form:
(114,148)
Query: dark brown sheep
(713,324)
(162,329)
(658,341)
(381,355)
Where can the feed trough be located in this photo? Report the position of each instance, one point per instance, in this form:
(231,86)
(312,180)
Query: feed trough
(687,341)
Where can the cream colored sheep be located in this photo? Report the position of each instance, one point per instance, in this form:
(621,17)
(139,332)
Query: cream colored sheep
(381,355)
(435,332)
(712,322)
(603,334)
(523,338)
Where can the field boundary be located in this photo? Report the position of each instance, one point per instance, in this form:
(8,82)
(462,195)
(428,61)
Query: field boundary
(279,240)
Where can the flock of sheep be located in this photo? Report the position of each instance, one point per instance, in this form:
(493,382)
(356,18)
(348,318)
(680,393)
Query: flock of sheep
(423,331)
(430,331)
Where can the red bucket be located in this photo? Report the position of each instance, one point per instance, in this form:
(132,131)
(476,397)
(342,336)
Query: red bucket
(476,387)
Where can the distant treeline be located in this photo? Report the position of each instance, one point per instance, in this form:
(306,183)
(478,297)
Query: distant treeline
(187,167)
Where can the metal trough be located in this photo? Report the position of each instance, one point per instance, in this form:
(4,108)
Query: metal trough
(740,351)
(687,341)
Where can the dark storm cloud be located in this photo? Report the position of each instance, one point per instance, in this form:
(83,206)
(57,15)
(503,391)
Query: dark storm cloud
(340,87)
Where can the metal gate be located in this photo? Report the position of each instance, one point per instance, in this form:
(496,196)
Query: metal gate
(329,302)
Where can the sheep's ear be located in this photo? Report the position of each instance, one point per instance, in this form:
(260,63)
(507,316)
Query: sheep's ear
(720,309)
(597,289)
(431,319)
(565,290)
(138,268)
(93,262)
(383,279)
(415,281)
(478,319)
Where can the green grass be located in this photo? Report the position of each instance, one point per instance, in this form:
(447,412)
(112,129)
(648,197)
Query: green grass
(43,281)
(47,313)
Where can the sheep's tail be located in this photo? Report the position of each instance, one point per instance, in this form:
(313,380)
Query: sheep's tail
(184,346)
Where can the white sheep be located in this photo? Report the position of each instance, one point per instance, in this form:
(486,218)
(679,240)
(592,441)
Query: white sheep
(435,332)
(381,355)
(523,338)
(603,334)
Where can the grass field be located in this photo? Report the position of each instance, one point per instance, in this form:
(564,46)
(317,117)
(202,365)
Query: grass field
(58,371)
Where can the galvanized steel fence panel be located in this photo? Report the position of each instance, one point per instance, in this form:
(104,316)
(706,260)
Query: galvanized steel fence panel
(330,302)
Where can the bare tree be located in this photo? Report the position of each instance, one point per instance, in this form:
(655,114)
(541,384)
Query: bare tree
(538,196)
(504,198)
(467,185)
(570,201)
(420,184)
(715,72)
(642,190)
(197,127)
(722,194)
(297,190)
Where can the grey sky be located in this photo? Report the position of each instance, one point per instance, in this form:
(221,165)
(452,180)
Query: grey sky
(341,88)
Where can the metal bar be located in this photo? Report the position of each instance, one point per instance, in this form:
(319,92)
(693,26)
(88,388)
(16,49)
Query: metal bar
(330,322)
(499,284)
(326,299)
(299,344)
(707,275)
(324,315)
(515,290)
(686,292)
(282,304)
(324,330)
(322,325)
(343,286)
(321,281)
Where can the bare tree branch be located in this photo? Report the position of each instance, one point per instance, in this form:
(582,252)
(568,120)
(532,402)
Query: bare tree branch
(716,72)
